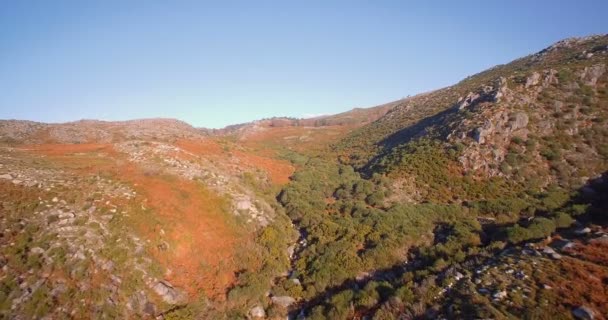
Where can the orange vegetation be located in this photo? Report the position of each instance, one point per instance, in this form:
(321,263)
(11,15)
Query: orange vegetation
(201,240)
(301,139)
(200,147)
(279,171)
(580,282)
(595,251)
(67,149)
(201,237)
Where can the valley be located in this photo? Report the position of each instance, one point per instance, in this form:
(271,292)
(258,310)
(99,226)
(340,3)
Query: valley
(487,199)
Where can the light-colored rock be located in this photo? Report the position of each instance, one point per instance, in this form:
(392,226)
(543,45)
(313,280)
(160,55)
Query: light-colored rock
(168,293)
(590,75)
(6,177)
(550,77)
(548,250)
(470,99)
(583,231)
(480,133)
(533,79)
(243,204)
(283,301)
(500,295)
(36,250)
(257,312)
(518,120)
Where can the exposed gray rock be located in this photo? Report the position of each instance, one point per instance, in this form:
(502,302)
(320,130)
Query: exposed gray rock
(480,133)
(36,250)
(550,77)
(467,101)
(283,301)
(291,250)
(243,204)
(257,312)
(500,295)
(169,294)
(533,79)
(590,75)
(518,120)
(548,250)
(501,90)
(582,231)
(584,313)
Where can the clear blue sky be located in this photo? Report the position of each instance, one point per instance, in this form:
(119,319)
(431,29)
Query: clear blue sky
(224,62)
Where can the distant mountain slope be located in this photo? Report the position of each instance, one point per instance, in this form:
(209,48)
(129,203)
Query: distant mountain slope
(354,117)
(94,131)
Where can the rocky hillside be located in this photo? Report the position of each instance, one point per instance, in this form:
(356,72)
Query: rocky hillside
(93,131)
(565,60)
(479,200)
(485,199)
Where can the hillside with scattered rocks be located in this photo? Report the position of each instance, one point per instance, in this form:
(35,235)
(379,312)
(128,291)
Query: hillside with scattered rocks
(482,200)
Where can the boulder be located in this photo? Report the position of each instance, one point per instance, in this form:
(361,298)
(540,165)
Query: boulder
(550,77)
(168,293)
(582,231)
(36,250)
(6,177)
(518,120)
(533,79)
(257,312)
(584,313)
(590,75)
(500,295)
(501,90)
(243,204)
(283,301)
(548,250)
(467,101)
(480,133)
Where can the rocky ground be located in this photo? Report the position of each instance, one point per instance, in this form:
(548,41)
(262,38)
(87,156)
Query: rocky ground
(62,240)
(132,229)
(561,276)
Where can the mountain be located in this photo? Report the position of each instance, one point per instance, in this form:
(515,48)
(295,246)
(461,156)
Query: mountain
(94,131)
(485,199)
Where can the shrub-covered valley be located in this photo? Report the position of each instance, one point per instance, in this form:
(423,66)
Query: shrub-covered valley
(487,199)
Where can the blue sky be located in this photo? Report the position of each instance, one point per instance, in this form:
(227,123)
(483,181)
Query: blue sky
(225,62)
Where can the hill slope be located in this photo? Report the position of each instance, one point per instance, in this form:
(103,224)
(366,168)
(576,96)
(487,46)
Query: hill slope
(465,178)
(485,199)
